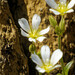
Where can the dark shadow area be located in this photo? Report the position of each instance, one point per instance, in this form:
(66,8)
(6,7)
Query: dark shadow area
(19,10)
(25,47)
(69,42)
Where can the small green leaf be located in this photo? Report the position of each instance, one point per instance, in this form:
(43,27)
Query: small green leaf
(67,67)
(52,20)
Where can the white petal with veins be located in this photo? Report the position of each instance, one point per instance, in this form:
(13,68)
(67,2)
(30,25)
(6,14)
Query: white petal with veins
(44,31)
(71,4)
(63,1)
(69,11)
(41,70)
(24,33)
(52,3)
(56,56)
(45,53)
(41,38)
(55,67)
(35,58)
(54,11)
(24,24)
(32,40)
(36,21)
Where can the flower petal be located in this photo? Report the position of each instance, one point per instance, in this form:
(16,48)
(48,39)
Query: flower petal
(56,56)
(31,39)
(44,31)
(41,38)
(54,11)
(36,21)
(35,58)
(24,24)
(55,67)
(41,70)
(52,3)
(71,4)
(69,11)
(45,53)
(63,1)
(24,33)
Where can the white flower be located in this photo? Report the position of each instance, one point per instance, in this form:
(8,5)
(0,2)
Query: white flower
(47,63)
(61,8)
(33,33)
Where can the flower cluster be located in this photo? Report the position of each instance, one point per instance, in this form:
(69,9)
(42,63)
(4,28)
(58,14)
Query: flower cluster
(47,62)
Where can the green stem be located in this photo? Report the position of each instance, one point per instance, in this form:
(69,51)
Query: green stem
(40,73)
(59,42)
(59,46)
(48,73)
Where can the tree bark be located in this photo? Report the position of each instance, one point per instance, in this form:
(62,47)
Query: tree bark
(12,59)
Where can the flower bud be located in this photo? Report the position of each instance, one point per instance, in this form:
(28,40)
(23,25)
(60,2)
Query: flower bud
(62,25)
(57,30)
(52,20)
(61,28)
(32,48)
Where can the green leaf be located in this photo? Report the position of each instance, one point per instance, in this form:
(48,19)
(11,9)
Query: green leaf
(67,67)
(52,20)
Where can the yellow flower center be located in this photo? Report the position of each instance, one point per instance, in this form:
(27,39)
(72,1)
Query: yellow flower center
(62,8)
(47,67)
(34,34)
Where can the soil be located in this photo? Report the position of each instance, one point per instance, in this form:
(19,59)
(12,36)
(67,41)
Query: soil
(14,53)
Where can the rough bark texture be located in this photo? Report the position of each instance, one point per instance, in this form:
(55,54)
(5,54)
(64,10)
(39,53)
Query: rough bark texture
(14,47)
(12,60)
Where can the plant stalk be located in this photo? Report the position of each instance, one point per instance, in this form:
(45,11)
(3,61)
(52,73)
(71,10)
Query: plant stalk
(40,73)
(48,73)
(59,46)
